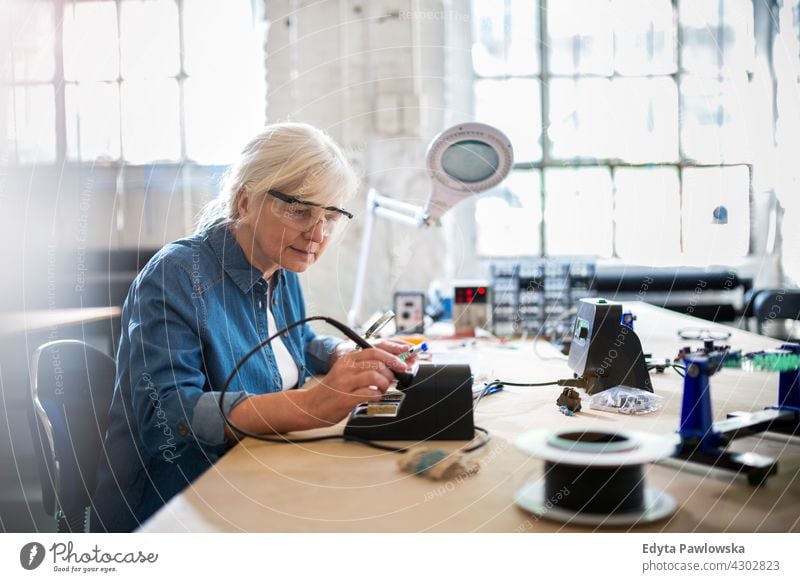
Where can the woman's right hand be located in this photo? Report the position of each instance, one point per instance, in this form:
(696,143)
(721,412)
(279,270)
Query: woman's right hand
(355,377)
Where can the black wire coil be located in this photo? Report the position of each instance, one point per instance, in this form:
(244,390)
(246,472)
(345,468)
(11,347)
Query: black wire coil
(598,490)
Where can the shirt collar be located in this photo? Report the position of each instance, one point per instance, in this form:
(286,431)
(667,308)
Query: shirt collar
(233,260)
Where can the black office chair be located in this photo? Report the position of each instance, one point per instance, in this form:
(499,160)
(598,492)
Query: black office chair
(769,304)
(748,306)
(72,385)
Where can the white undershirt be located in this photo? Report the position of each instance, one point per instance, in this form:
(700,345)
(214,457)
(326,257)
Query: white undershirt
(286,364)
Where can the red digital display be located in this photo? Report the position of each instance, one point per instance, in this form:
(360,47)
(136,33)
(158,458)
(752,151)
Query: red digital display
(470,295)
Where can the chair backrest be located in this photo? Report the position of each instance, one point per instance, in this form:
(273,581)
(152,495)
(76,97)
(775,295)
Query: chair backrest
(72,385)
(776,304)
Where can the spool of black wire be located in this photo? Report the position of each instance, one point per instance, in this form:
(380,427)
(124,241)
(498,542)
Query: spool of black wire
(595,477)
(603,490)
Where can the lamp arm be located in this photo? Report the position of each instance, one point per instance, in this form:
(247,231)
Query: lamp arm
(379,205)
(394,209)
(414,221)
(363,259)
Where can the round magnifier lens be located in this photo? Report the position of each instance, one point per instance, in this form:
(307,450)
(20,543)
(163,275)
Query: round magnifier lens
(470,161)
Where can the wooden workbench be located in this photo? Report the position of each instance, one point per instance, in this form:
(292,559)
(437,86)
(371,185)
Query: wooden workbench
(334,486)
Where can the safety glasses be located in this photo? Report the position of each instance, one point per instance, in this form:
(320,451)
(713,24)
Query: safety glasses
(303,215)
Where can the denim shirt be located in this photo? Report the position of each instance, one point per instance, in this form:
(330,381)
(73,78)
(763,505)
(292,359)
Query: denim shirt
(192,313)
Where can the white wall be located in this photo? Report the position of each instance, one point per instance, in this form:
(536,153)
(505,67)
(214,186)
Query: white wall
(375,76)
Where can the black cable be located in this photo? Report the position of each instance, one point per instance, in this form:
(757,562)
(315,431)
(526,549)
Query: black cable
(402,377)
(382,447)
(361,342)
(533,385)
(373,444)
(679,368)
(493,383)
(486,438)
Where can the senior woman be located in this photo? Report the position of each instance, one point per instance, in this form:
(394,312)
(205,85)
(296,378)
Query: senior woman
(204,301)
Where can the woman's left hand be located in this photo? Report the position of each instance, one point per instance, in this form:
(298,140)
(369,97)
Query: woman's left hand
(394,347)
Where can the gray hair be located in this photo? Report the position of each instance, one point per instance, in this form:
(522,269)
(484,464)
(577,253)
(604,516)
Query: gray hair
(294,158)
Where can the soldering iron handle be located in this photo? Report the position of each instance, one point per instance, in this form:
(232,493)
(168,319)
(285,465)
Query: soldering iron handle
(404,379)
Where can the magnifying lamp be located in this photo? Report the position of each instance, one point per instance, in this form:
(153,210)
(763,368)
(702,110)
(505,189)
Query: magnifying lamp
(466,159)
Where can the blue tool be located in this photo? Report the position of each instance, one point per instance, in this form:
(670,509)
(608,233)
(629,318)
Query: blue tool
(486,390)
(627,319)
(493,389)
(697,424)
(789,390)
(704,441)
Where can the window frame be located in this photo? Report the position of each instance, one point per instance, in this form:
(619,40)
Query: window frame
(544,76)
(59,84)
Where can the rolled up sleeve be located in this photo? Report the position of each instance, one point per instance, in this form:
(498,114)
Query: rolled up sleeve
(207,422)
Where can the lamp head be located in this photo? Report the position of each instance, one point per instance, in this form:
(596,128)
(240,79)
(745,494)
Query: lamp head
(466,159)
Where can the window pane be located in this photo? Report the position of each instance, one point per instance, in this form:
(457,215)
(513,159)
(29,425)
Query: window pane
(33,125)
(715,120)
(584,232)
(647,215)
(92,116)
(704,190)
(26,41)
(218,37)
(647,120)
(581,37)
(220,118)
(514,107)
(150,123)
(786,63)
(717,35)
(581,118)
(508,221)
(786,57)
(91,50)
(644,37)
(506,43)
(149,39)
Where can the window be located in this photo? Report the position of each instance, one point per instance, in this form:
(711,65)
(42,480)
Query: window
(129,81)
(27,90)
(631,123)
(786,55)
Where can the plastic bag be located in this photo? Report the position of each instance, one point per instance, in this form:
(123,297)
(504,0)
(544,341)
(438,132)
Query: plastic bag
(626,400)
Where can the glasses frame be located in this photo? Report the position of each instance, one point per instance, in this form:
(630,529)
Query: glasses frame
(293,200)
